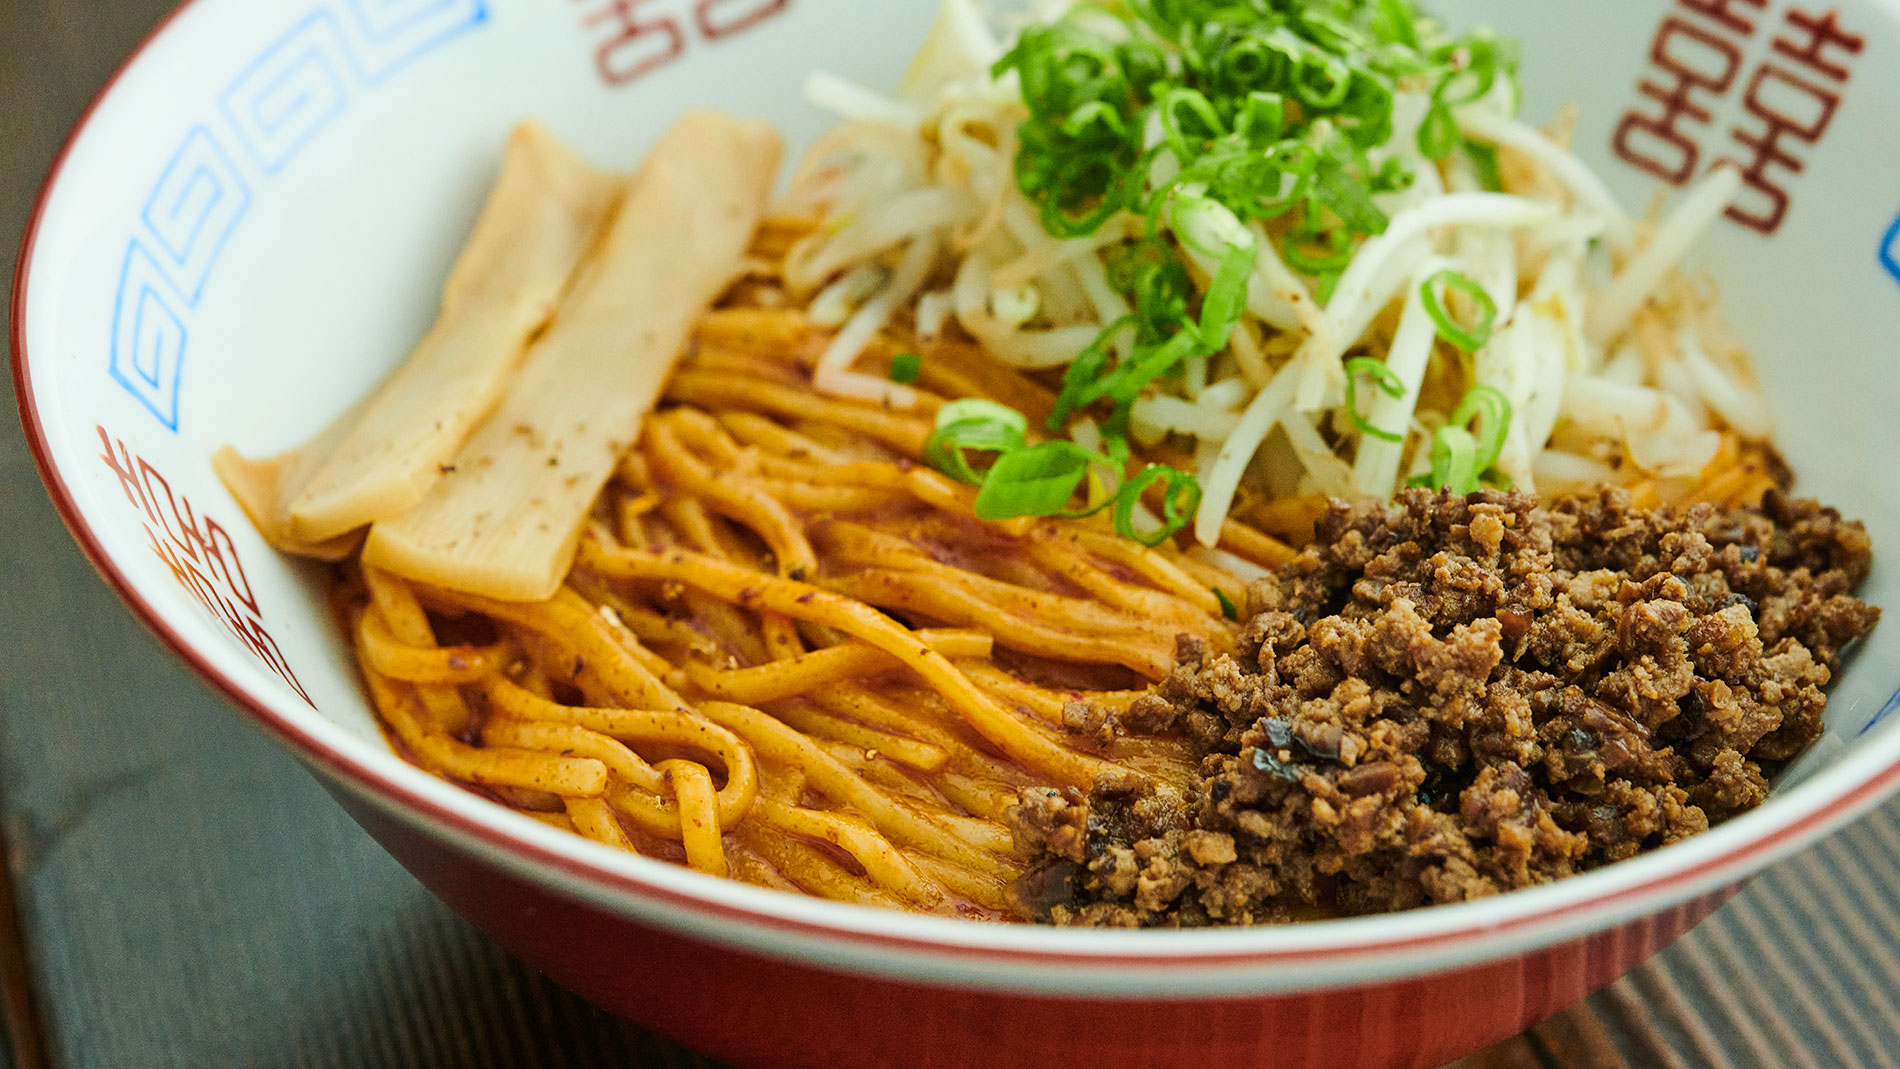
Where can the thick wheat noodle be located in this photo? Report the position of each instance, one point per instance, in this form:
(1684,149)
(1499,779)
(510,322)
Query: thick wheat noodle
(881,861)
(570,777)
(984,797)
(655,814)
(729,624)
(787,748)
(1160,608)
(1045,704)
(731,494)
(699,815)
(636,794)
(866,706)
(551,736)
(781,441)
(923,484)
(695,429)
(817,497)
(595,819)
(1162,570)
(915,753)
(630,644)
(803,601)
(573,623)
(394,603)
(644,624)
(814,872)
(778,635)
(959,602)
(859,544)
(749,364)
(689,731)
(987,891)
(1289,515)
(863,474)
(450,665)
(1215,578)
(798,675)
(553,820)
(876,707)
(1255,546)
(777,331)
(709,390)
(988,599)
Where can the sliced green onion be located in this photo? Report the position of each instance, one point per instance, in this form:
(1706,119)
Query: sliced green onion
(1484,160)
(1304,242)
(905,367)
(1385,379)
(972,424)
(1492,409)
(1226,299)
(1438,135)
(1455,460)
(1227,606)
(1328,282)
(1181,496)
(1324,81)
(1262,118)
(1348,197)
(1080,382)
(1400,23)
(1039,480)
(1190,121)
(1467,338)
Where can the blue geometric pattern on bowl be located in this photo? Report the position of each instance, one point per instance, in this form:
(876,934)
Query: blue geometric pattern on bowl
(283,99)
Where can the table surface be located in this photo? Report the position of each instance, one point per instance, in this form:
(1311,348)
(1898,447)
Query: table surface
(177,891)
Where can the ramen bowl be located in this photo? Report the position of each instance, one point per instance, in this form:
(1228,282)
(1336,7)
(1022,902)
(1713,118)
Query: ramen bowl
(251,226)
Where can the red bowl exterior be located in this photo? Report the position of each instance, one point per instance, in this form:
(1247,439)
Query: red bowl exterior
(759,1011)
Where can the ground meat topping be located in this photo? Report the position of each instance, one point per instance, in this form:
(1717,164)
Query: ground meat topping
(1444,698)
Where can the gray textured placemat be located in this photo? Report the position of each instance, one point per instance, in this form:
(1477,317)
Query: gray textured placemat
(189,897)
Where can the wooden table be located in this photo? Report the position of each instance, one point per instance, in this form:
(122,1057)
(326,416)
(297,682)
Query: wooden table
(185,895)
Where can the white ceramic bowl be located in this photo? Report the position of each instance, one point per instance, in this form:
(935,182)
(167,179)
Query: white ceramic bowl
(252,226)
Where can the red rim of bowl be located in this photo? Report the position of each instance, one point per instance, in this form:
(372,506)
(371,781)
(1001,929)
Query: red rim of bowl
(316,752)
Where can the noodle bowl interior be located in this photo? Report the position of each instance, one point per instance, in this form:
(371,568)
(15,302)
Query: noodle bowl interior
(997,526)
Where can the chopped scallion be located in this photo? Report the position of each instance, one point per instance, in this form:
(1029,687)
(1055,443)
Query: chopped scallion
(905,367)
(1385,379)
(1469,338)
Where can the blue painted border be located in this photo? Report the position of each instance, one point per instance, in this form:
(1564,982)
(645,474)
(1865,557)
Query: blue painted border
(150,392)
(1890,250)
(473,13)
(345,54)
(243,94)
(238,187)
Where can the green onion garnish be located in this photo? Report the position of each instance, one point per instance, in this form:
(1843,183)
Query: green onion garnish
(1467,338)
(1484,160)
(1205,118)
(1493,412)
(1227,606)
(1042,479)
(972,424)
(1180,497)
(1462,462)
(1399,21)
(1385,379)
(1455,460)
(1037,480)
(905,368)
